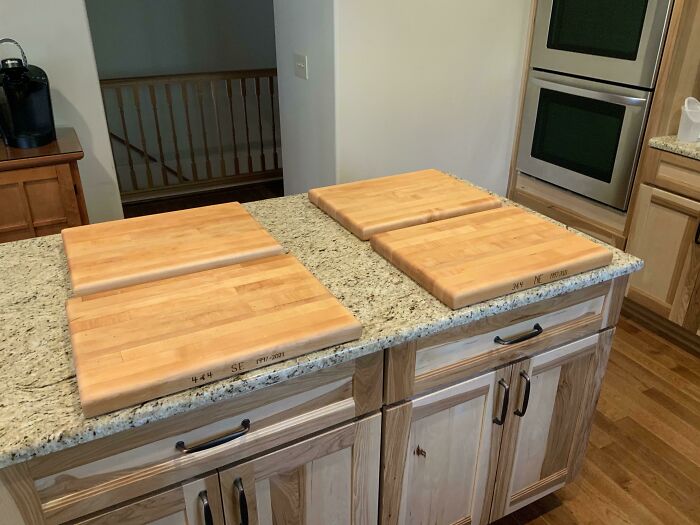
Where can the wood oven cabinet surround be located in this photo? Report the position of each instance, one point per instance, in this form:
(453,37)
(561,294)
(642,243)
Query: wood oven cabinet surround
(320,446)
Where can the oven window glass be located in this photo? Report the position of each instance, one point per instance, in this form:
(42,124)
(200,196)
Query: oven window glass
(577,133)
(609,28)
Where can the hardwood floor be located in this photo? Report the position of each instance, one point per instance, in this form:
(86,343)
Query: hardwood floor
(643,460)
(250,192)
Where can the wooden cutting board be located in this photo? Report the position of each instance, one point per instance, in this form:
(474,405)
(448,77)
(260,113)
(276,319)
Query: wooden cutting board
(473,258)
(113,254)
(388,203)
(144,341)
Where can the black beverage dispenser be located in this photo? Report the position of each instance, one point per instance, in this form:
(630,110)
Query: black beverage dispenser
(26,116)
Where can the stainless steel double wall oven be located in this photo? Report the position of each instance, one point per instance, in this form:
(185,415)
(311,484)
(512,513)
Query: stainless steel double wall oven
(593,72)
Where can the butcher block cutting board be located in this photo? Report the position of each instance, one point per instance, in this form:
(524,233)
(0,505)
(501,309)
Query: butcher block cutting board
(388,203)
(137,343)
(473,258)
(113,254)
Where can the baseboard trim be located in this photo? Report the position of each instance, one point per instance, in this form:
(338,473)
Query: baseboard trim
(671,331)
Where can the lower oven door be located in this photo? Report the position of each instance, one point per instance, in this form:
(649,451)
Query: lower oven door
(582,135)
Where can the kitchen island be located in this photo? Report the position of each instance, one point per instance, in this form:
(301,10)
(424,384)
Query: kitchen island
(333,408)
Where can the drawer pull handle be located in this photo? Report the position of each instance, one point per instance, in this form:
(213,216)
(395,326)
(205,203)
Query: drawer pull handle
(536,330)
(504,407)
(242,501)
(520,412)
(245,427)
(208,519)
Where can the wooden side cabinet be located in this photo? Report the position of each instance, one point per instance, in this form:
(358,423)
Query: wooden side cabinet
(665,233)
(40,188)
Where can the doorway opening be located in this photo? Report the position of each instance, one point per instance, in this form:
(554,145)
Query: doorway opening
(191,100)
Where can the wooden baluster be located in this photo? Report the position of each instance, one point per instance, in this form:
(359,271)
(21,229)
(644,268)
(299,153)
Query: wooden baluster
(260,129)
(154,105)
(200,98)
(169,100)
(271,81)
(218,128)
(245,117)
(186,100)
(137,102)
(229,94)
(122,117)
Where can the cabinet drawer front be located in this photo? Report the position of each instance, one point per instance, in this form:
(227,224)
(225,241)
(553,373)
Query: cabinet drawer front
(182,505)
(69,488)
(676,173)
(455,355)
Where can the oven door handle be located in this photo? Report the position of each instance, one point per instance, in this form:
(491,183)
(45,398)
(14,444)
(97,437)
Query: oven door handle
(589,93)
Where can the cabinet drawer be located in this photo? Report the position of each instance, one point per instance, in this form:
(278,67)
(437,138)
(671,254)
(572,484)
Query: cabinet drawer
(105,472)
(673,172)
(183,505)
(439,360)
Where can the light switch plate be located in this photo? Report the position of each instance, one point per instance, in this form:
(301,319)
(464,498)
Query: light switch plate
(301,66)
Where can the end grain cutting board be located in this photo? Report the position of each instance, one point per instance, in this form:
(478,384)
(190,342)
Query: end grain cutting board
(473,258)
(113,254)
(148,340)
(378,205)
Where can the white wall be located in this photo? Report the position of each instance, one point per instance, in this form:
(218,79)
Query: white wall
(307,107)
(428,84)
(56,37)
(154,37)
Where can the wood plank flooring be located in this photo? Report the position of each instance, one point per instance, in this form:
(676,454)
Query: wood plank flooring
(643,460)
(250,192)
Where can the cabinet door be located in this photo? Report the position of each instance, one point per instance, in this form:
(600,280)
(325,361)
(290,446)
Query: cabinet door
(548,423)
(665,233)
(329,478)
(195,503)
(37,201)
(437,454)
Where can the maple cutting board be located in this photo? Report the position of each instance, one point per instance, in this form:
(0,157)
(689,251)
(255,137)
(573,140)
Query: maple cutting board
(113,254)
(377,205)
(473,258)
(144,341)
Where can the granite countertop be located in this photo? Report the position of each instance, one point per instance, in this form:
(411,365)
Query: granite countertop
(40,410)
(672,145)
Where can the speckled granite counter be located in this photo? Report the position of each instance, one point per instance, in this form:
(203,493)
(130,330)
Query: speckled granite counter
(40,409)
(671,144)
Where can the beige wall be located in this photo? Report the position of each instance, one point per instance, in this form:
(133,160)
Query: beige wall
(428,84)
(56,37)
(307,107)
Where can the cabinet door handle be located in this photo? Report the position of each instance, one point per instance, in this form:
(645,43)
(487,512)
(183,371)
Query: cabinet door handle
(242,501)
(504,407)
(536,330)
(243,430)
(208,519)
(520,412)
(697,234)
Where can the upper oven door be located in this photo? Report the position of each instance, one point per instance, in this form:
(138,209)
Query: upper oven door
(582,135)
(612,40)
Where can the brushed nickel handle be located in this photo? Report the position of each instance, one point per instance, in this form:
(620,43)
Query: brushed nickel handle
(243,430)
(242,501)
(504,407)
(520,412)
(536,330)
